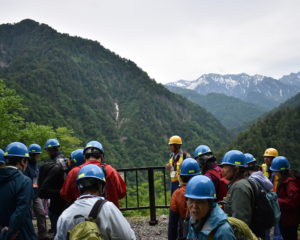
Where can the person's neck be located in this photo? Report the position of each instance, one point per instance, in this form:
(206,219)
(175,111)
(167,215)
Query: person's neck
(94,159)
(91,193)
(177,152)
(54,155)
(18,166)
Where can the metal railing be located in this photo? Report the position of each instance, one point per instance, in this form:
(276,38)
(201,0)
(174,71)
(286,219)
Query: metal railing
(151,186)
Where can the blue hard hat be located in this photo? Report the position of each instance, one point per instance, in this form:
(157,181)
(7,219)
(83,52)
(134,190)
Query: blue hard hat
(91,171)
(35,148)
(280,163)
(235,158)
(94,144)
(77,157)
(16,149)
(189,167)
(249,158)
(52,143)
(200,150)
(2,160)
(200,187)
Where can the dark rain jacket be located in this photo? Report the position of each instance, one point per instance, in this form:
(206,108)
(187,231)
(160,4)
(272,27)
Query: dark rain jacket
(32,171)
(16,194)
(51,179)
(238,202)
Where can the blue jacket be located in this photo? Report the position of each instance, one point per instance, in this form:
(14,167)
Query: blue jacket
(216,222)
(16,194)
(32,172)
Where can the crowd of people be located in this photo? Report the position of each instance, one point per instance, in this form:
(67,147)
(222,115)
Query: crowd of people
(209,200)
(206,196)
(72,187)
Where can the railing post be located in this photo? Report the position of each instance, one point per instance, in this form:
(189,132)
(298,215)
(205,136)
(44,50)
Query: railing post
(153,220)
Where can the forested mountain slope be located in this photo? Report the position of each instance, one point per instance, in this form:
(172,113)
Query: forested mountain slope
(232,112)
(279,129)
(77,83)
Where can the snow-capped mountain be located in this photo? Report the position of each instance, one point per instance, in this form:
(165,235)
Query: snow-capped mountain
(291,79)
(261,90)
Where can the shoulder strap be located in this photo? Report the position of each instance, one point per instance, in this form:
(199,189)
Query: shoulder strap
(255,190)
(97,208)
(103,169)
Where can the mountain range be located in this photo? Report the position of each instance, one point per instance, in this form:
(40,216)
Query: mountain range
(260,90)
(77,83)
(233,113)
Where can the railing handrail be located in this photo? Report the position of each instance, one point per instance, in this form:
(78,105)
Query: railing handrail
(141,168)
(151,187)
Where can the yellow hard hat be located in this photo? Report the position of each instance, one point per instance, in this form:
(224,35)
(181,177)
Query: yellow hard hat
(271,152)
(175,140)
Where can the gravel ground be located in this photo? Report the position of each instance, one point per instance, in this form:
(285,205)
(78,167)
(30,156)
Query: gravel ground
(144,231)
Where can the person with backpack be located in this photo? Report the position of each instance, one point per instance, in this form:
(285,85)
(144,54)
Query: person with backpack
(91,216)
(288,191)
(16,194)
(269,155)
(2,161)
(207,220)
(178,209)
(210,168)
(238,202)
(177,157)
(51,179)
(32,172)
(94,154)
(265,201)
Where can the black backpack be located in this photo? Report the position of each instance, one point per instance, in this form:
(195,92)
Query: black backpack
(266,211)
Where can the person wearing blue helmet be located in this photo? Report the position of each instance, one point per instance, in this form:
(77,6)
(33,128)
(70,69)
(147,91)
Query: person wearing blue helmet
(288,191)
(210,168)
(178,209)
(77,158)
(94,154)
(51,179)
(238,202)
(2,161)
(207,219)
(16,195)
(32,172)
(91,185)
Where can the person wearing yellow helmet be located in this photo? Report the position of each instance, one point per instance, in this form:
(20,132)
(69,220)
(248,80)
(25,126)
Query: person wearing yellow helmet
(269,155)
(177,157)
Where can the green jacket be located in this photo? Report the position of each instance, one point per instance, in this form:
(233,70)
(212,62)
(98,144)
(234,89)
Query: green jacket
(238,202)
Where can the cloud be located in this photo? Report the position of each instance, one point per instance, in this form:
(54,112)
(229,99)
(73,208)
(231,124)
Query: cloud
(175,39)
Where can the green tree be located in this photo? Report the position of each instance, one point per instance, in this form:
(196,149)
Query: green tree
(10,118)
(14,128)
(68,142)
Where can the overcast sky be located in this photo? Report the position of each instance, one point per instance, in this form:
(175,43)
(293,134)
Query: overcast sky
(179,39)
